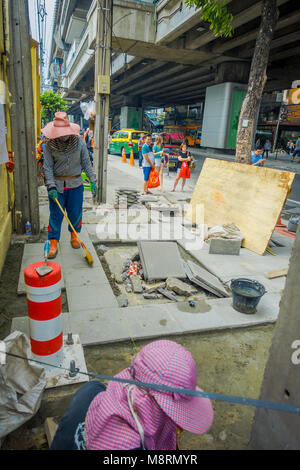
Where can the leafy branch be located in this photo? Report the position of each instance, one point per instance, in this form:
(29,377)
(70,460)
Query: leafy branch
(216,13)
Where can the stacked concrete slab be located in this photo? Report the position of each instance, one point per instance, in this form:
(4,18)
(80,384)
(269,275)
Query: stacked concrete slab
(160,260)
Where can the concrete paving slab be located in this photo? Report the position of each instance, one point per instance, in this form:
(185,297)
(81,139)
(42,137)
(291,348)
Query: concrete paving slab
(75,259)
(219,314)
(199,282)
(151,321)
(60,377)
(86,277)
(247,263)
(267,312)
(85,298)
(202,317)
(99,326)
(161,260)
(209,279)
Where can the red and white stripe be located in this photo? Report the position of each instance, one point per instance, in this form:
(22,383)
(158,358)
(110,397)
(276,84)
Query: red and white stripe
(44,310)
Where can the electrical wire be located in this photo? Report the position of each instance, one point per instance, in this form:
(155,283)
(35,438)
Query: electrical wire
(182,391)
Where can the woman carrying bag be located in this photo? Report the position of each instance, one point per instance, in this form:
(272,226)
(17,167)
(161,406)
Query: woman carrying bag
(183,170)
(158,152)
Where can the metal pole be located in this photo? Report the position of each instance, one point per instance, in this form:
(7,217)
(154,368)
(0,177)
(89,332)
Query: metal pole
(277,128)
(102,97)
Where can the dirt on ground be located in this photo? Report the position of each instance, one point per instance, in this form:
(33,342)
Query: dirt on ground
(228,362)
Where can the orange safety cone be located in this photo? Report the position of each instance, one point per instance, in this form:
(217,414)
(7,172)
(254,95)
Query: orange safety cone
(123,156)
(131,157)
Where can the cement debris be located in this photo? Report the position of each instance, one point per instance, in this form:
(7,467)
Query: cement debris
(122,300)
(170,295)
(136,284)
(179,287)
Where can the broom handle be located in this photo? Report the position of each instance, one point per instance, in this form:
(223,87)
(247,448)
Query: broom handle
(56,200)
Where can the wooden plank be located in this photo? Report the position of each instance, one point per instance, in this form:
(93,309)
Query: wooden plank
(276,273)
(50,427)
(251,197)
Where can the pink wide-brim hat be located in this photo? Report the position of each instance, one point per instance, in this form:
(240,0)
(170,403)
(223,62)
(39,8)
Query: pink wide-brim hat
(168,363)
(60,127)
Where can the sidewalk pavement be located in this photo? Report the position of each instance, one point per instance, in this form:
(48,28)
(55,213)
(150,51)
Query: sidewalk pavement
(94,313)
(281,162)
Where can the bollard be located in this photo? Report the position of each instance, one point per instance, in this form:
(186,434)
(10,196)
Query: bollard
(123,156)
(44,311)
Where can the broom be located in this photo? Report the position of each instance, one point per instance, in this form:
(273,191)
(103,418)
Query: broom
(88,255)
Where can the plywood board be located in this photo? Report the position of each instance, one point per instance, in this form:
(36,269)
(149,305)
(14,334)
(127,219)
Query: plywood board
(251,197)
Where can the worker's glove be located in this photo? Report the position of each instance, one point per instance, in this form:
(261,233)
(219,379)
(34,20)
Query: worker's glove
(94,189)
(53,194)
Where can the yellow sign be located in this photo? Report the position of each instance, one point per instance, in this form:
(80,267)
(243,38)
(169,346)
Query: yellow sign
(294,96)
(293,112)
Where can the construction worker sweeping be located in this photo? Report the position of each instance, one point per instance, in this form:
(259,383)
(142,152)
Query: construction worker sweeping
(65,157)
(131,417)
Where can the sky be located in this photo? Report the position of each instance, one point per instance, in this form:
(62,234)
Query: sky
(49,4)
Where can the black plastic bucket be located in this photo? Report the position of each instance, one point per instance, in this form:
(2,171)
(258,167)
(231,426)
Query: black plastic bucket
(246,293)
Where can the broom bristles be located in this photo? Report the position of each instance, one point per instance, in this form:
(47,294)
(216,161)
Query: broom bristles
(88,255)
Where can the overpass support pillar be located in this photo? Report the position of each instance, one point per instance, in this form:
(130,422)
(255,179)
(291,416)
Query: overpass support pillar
(131,117)
(233,71)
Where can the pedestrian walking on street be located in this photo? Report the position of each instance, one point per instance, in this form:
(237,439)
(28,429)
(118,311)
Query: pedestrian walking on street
(65,156)
(89,141)
(184,157)
(256,156)
(141,142)
(296,152)
(158,152)
(131,417)
(267,148)
(290,147)
(148,161)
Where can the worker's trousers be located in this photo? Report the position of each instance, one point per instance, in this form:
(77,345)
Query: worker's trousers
(70,432)
(71,200)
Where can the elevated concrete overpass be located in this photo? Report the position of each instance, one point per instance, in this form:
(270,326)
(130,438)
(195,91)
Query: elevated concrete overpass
(164,55)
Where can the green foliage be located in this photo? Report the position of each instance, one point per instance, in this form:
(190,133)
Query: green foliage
(52,102)
(216,13)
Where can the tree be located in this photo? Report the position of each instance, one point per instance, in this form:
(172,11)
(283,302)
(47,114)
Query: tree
(52,102)
(216,13)
(257,80)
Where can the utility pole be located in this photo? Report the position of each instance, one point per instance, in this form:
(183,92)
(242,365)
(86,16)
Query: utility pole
(22,117)
(275,430)
(102,92)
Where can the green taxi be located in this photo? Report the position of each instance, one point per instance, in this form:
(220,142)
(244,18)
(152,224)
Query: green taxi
(121,139)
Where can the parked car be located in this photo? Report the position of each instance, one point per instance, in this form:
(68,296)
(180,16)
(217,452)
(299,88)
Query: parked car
(122,138)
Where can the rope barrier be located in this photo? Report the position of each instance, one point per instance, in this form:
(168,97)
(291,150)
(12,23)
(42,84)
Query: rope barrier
(183,391)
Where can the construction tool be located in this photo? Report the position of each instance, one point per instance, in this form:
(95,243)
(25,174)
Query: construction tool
(45,269)
(88,255)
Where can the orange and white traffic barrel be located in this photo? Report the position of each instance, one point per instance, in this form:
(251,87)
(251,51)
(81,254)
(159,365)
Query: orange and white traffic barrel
(44,310)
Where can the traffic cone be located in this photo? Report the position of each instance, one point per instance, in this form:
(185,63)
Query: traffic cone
(131,157)
(123,156)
